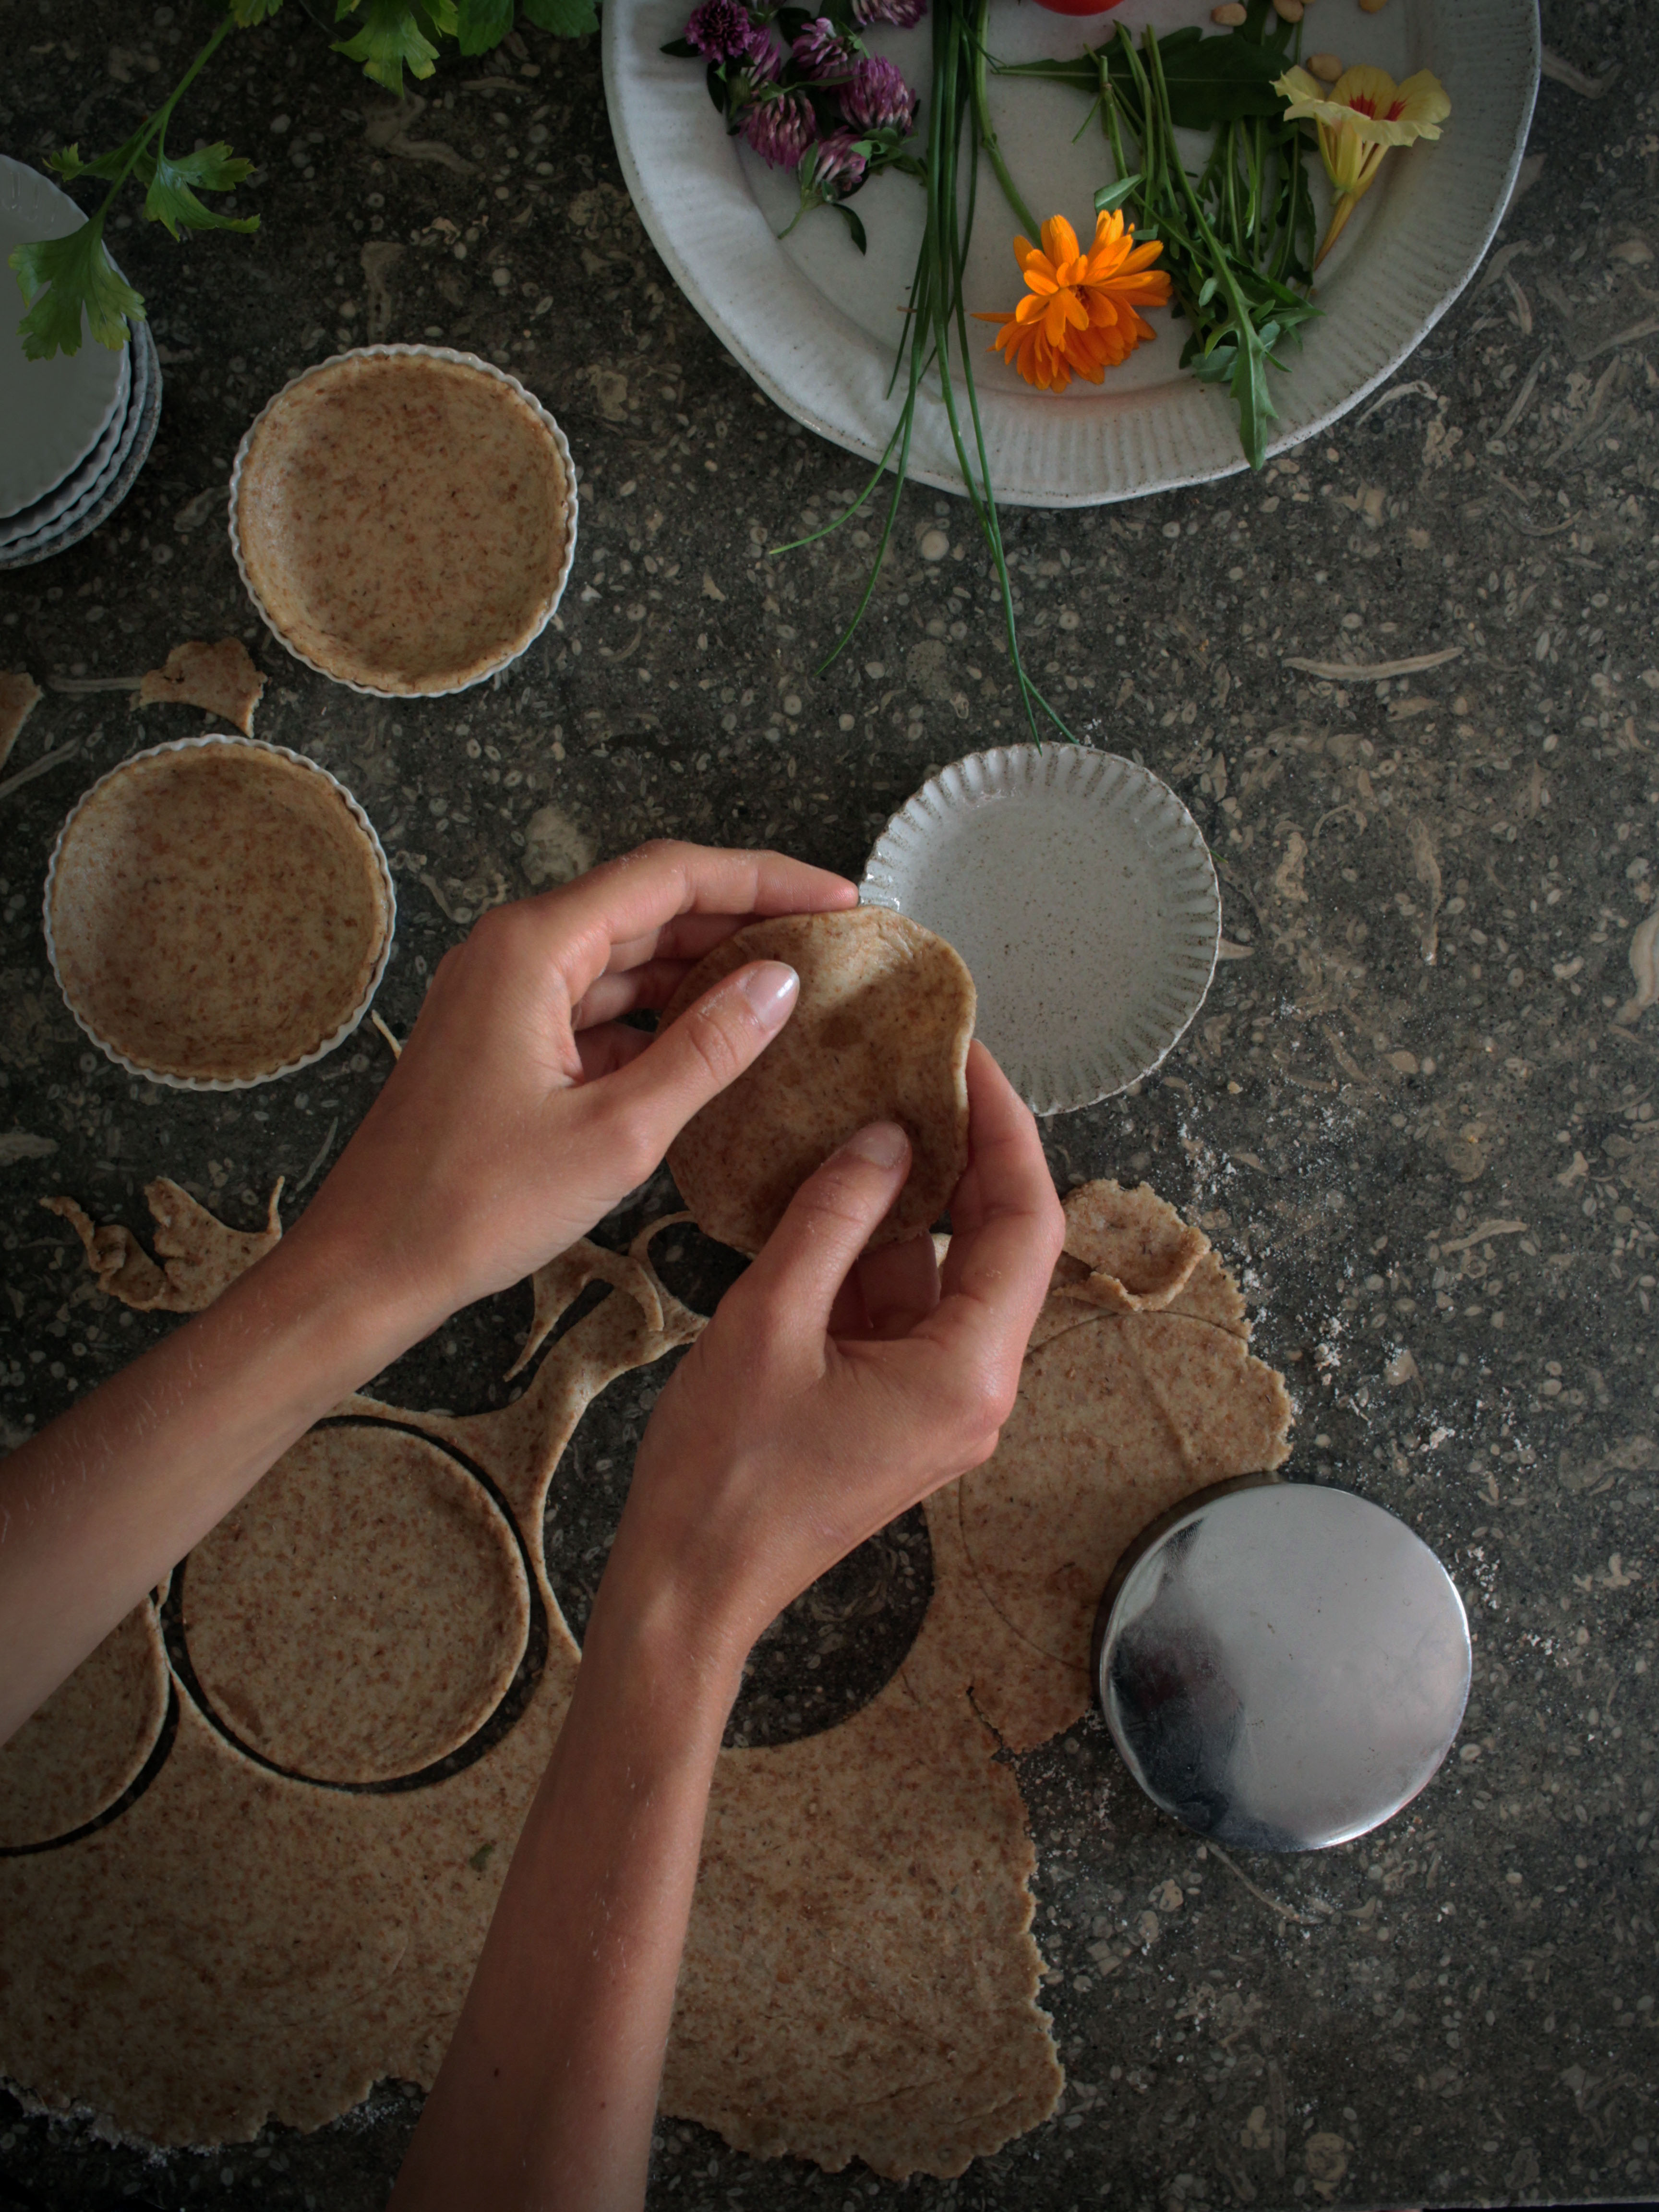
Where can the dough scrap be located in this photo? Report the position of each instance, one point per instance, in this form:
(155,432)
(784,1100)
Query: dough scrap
(19,697)
(1137,1253)
(221,678)
(880,1032)
(201,1257)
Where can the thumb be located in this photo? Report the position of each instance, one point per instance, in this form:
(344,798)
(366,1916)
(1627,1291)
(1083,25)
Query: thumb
(830,1220)
(693,1059)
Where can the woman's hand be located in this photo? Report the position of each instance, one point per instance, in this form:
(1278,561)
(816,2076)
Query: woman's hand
(832,1391)
(522,1109)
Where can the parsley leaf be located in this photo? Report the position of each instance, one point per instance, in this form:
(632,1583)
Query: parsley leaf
(395,33)
(482,24)
(68,164)
(565,19)
(61,275)
(170,199)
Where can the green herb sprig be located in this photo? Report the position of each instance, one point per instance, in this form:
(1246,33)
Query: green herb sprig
(936,325)
(65,279)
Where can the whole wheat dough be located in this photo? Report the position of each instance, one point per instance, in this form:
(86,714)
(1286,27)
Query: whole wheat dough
(880,1032)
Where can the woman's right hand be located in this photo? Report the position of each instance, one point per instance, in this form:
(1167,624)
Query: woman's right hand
(836,1388)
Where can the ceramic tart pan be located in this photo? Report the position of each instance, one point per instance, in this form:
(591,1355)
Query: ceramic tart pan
(218,912)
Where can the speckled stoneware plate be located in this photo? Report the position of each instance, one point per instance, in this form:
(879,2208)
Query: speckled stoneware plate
(816,323)
(106,493)
(1080,893)
(353,1020)
(70,490)
(567,465)
(52,413)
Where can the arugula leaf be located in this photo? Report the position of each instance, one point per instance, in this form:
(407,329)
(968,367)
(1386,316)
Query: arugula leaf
(170,197)
(482,25)
(245,14)
(395,34)
(1210,81)
(565,19)
(58,277)
(1113,196)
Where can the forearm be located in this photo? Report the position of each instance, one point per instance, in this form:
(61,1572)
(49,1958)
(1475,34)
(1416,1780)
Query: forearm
(96,1508)
(547,2094)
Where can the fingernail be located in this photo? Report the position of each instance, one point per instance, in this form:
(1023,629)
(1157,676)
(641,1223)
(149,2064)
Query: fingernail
(884,1144)
(771,990)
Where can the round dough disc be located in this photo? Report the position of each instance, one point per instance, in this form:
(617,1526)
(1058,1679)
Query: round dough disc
(361,1612)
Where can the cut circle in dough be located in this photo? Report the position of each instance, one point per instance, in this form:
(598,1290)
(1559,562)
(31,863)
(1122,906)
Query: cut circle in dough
(361,1612)
(83,1750)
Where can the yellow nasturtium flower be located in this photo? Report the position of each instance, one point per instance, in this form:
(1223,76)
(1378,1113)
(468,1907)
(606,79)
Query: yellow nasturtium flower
(1359,117)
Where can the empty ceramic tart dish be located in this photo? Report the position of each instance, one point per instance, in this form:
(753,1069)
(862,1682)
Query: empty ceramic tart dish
(404,519)
(1082,895)
(218,912)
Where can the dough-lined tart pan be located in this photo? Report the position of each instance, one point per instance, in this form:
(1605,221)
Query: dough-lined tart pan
(218,912)
(404,519)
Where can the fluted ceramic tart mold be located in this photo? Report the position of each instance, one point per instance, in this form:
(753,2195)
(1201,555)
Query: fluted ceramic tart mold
(1082,895)
(345,1027)
(488,665)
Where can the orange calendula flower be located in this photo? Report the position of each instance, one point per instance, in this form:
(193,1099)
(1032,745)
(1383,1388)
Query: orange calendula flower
(1359,117)
(1079,314)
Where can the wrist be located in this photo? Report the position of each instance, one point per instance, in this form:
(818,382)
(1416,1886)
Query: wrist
(361,1309)
(654,1619)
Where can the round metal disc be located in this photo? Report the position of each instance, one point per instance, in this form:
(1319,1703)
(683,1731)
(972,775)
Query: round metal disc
(1283,1667)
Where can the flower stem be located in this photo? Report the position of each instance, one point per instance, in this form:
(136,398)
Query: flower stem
(985,129)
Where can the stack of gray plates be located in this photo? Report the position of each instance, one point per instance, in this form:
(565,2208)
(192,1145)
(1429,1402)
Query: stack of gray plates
(75,430)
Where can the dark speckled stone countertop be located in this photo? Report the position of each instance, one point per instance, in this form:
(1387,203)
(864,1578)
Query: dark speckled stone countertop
(1416,1113)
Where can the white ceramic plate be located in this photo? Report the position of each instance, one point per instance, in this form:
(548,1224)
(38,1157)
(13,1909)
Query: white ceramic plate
(101,497)
(53,412)
(1080,893)
(816,324)
(41,513)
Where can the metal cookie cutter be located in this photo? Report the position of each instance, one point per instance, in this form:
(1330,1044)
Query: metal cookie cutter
(1282,1666)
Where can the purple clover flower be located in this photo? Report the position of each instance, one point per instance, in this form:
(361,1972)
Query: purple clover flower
(721,30)
(824,52)
(781,128)
(900,13)
(876,97)
(835,168)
